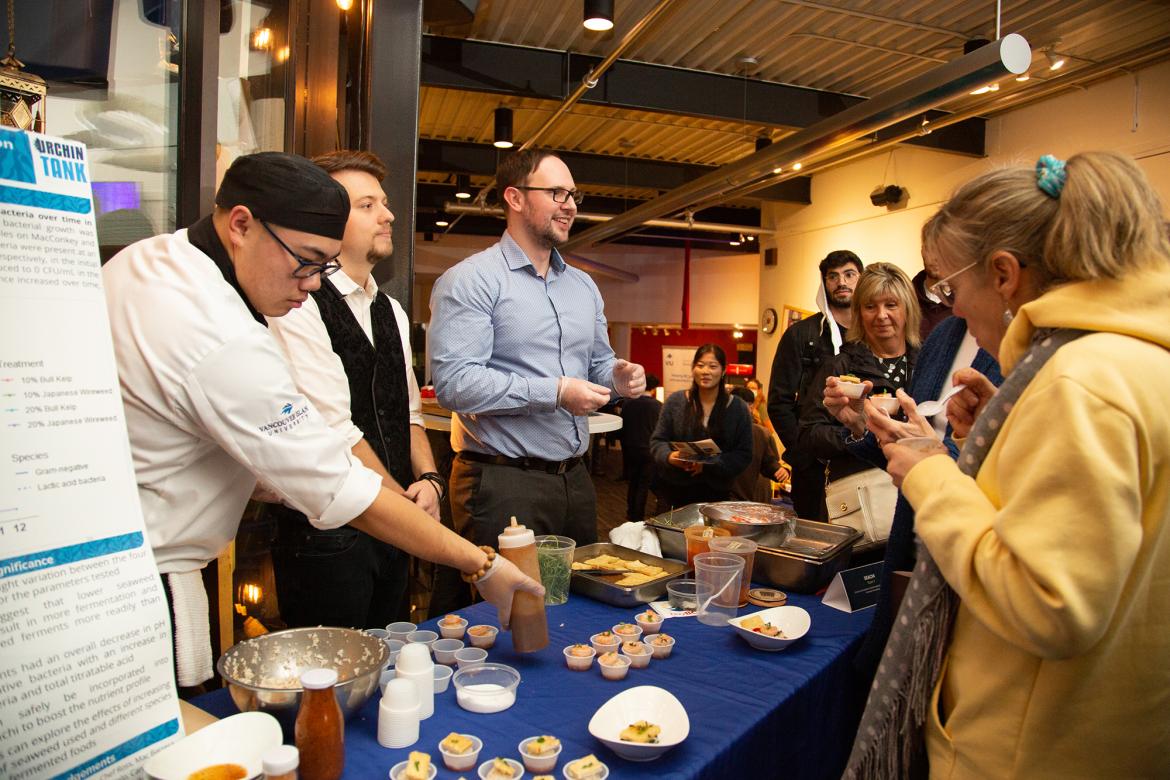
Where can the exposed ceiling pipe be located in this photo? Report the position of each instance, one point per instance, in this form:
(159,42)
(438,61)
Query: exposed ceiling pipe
(587,83)
(1034,92)
(461,209)
(599,269)
(1009,55)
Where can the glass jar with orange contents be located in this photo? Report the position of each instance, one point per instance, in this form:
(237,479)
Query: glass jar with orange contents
(320,729)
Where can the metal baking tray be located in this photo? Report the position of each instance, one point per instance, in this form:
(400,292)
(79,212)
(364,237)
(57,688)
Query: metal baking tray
(601,587)
(809,560)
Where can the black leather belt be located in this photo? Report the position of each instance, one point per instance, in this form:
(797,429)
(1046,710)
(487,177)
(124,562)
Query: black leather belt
(529,464)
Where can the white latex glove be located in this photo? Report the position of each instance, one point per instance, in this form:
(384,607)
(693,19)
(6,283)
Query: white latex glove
(503,584)
(581,397)
(425,495)
(629,379)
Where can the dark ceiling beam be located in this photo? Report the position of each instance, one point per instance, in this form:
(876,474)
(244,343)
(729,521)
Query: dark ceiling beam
(503,69)
(593,169)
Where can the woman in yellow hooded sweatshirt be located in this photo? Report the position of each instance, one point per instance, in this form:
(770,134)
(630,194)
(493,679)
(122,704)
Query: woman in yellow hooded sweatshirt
(1034,638)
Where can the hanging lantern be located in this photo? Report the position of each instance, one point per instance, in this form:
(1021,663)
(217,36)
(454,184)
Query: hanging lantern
(22,95)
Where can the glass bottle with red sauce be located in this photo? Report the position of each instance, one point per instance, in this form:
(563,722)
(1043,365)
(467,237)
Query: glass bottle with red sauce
(320,729)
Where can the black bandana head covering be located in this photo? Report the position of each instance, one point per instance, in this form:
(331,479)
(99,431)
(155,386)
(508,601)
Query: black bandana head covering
(286,190)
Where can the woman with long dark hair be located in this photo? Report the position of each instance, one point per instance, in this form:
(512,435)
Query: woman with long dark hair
(705,411)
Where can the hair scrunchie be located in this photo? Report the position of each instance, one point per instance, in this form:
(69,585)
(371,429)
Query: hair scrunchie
(1050,175)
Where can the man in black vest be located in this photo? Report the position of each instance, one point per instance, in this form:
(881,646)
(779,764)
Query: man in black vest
(348,349)
(801,350)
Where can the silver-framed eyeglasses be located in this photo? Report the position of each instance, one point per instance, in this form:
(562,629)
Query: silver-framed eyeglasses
(559,194)
(306,268)
(942,288)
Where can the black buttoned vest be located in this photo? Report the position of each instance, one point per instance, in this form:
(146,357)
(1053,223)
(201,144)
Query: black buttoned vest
(377,377)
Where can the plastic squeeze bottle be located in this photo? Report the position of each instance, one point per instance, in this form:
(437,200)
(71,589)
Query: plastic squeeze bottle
(529,625)
(320,729)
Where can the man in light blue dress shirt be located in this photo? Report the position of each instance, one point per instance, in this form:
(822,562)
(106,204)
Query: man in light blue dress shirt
(520,353)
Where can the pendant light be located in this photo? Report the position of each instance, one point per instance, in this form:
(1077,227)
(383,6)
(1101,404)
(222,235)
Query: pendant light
(502,139)
(598,15)
(463,186)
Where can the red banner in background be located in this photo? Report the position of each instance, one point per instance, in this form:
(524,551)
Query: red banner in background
(646,347)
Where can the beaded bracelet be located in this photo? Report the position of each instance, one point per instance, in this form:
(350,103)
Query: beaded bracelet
(482,573)
(436,479)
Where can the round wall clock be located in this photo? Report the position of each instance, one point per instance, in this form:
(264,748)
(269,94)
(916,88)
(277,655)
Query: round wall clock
(768,320)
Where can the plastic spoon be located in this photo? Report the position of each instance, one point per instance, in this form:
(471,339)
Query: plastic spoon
(931,408)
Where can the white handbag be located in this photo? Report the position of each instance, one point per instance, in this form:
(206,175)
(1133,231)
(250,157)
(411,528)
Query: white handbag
(863,501)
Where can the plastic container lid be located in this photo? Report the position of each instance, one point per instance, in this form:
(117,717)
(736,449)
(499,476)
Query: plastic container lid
(280,760)
(516,535)
(315,679)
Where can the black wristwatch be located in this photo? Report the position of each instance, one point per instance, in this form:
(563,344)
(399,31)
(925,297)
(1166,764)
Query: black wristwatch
(436,479)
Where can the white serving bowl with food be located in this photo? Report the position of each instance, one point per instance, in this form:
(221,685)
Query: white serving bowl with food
(850,389)
(887,403)
(789,624)
(240,740)
(644,704)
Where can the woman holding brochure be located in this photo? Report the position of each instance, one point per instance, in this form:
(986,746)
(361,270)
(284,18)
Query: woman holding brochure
(705,411)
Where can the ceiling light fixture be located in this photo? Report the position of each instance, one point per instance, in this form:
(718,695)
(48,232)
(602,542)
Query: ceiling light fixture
(777,170)
(751,237)
(502,138)
(985,89)
(796,166)
(1055,60)
(345,5)
(735,242)
(441,223)
(1023,77)
(262,38)
(463,186)
(598,15)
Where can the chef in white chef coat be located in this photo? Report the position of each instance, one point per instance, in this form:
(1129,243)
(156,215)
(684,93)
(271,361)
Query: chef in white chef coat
(210,405)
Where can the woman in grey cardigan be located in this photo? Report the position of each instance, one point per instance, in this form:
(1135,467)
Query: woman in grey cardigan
(705,411)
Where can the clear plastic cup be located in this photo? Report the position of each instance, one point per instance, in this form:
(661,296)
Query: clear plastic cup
(698,537)
(555,556)
(744,548)
(722,574)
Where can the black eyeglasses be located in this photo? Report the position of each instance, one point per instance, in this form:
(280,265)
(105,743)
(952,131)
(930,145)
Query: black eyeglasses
(306,268)
(559,194)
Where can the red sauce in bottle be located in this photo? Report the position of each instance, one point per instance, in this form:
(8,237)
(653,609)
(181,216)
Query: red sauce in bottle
(320,729)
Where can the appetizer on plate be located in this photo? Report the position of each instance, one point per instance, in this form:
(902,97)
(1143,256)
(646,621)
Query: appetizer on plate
(539,746)
(501,769)
(418,766)
(642,731)
(456,743)
(586,768)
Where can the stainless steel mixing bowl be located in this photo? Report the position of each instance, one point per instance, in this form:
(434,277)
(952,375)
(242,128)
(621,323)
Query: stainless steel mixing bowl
(767,525)
(264,673)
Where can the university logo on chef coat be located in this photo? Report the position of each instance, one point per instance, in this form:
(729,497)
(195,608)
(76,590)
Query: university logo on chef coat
(290,417)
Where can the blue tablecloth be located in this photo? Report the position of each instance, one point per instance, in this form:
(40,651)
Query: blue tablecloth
(753,714)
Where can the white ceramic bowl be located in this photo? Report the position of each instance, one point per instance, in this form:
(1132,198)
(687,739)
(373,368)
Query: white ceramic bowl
(616,671)
(542,763)
(442,677)
(639,656)
(887,403)
(660,651)
(484,640)
(649,621)
(604,771)
(794,622)
(397,770)
(644,702)
(444,650)
(579,663)
(851,389)
(452,630)
(486,767)
(462,762)
(239,739)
